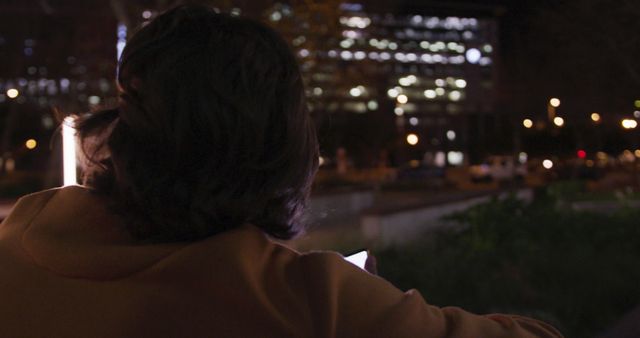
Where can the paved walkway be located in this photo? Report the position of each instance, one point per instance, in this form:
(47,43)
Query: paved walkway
(344,234)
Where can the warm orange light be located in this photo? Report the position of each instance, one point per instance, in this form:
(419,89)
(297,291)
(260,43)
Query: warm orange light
(595,117)
(527,123)
(31,144)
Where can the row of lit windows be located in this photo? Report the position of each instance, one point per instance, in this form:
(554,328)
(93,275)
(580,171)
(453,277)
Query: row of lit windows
(382,44)
(427,41)
(315,66)
(409,33)
(46,86)
(404,95)
(430,22)
(47,92)
(412,80)
(402,99)
(472,56)
(47,101)
(433,89)
(402,110)
(373,105)
(436,107)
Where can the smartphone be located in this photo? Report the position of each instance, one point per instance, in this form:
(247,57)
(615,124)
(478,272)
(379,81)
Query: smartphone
(358,258)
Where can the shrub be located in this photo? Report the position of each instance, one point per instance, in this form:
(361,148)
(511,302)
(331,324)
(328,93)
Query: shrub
(576,270)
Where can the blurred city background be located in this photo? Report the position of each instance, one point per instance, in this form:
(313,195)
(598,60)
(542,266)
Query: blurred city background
(487,152)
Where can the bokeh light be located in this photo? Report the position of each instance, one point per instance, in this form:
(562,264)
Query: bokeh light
(31,144)
(558,121)
(12,93)
(629,124)
(355,91)
(451,135)
(412,139)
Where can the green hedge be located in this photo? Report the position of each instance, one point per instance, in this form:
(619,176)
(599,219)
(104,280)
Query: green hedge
(576,270)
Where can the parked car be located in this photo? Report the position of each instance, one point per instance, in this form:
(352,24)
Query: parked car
(498,168)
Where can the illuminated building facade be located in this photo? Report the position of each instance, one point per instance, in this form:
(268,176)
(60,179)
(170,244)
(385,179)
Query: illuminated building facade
(379,76)
(374,75)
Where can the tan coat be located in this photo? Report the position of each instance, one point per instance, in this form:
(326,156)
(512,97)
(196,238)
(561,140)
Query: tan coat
(68,269)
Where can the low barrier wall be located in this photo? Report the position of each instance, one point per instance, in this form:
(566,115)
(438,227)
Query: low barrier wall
(388,227)
(327,207)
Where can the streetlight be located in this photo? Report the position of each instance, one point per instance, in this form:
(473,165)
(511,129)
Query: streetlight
(595,117)
(554,102)
(558,121)
(527,123)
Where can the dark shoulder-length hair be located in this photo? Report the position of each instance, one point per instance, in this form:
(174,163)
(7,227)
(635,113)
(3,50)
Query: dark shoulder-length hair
(211,130)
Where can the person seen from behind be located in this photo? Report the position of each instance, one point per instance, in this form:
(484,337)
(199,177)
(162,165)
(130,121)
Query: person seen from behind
(208,157)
